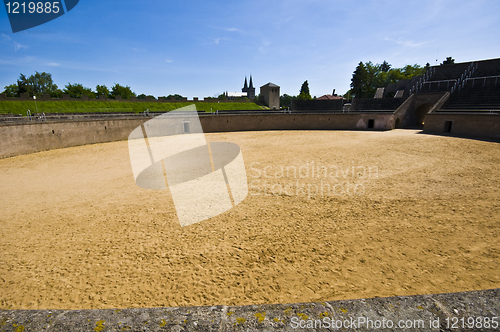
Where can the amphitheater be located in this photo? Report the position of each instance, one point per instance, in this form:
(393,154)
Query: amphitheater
(385,209)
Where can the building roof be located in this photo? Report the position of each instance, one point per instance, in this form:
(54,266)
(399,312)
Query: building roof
(271,85)
(329,97)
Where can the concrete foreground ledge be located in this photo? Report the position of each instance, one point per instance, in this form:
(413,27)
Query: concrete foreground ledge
(436,312)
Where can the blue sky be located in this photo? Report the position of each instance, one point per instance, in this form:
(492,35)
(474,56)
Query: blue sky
(203,48)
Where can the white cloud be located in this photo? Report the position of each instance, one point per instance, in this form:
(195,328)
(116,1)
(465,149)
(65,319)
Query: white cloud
(231,29)
(283,21)
(16,61)
(406,43)
(18,46)
(169,61)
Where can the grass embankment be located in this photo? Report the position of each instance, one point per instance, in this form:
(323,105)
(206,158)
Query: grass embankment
(21,107)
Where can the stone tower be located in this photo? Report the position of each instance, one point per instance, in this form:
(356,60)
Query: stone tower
(271,95)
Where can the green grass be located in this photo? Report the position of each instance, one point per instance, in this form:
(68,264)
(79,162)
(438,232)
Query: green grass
(21,107)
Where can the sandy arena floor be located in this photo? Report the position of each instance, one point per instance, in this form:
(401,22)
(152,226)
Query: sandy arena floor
(419,215)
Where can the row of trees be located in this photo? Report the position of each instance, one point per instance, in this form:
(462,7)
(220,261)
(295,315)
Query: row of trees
(42,83)
(368,77)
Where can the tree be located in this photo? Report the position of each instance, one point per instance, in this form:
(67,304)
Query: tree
(385,66)
(124,91)
(304,92)
(368,77)
(78,90)
(23,85)
(12,90)
(359,80)
(179,97)
(142,96)
(38,84)
(286,100)
(102,90)
(449,61)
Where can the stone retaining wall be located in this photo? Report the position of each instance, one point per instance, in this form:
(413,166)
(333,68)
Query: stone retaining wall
(439,312)
(17,139)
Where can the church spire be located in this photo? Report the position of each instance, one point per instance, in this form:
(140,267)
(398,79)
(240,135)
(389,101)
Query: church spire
(251,84)
(245,87)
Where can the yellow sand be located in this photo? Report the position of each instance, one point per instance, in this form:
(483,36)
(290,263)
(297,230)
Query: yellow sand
(422,216)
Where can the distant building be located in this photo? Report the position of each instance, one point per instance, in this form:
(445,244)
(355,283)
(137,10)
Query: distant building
(231,95)
(271,94)
(330,97)
(249,89)
(333,96)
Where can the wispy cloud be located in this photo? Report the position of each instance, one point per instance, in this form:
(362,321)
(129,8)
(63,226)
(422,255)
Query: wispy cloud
(169,61)
(53,64)
(16,61)
(263,46)
(231,29)
(18,46)
(283,21)
(217,41)
(406,43)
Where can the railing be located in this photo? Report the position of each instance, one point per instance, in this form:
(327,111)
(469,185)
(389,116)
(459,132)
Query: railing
(418,85)
(97,116)
(430,83)
(467,74)
(483,78)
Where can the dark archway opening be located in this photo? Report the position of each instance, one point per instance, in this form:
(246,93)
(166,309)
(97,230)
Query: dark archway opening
(422,111)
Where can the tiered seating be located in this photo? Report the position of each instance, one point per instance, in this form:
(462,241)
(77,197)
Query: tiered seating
(373,104)
(487,68)
(481,94)
(442,78)
(437,86)
(449,72)
(481,91)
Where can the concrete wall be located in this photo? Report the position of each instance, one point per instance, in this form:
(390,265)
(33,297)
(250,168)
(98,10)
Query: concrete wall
(250,122)
(17,139)
(375,104)
(318,105)
(485,126)
(42,136)
(407,112)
